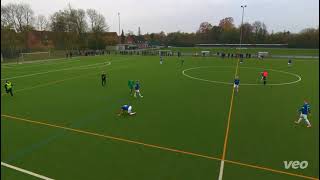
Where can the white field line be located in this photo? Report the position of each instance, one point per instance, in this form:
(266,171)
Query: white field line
(44,60)
(221,170)
(59,81)
(243,84)
(109,63)
(36,61)
(46,72)
(16,67)
(39,61)
(25,171)
(63,80)
(4,66)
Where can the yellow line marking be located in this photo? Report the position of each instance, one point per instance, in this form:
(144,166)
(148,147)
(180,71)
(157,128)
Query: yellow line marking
(157,146)
(229,117)
(110,137)
(227,130)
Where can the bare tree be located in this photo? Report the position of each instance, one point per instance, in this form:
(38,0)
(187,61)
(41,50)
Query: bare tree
(97,21)
(59,25)
(41,23)
(23,15)
(259,30)
(18,16)
(77,20)
(257,26)
(27,14)
(98,26)
(92,15)
(5,17)
(58,22)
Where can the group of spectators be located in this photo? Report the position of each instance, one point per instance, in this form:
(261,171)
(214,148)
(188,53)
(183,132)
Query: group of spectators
(234,55)
(147,53)
(69,54)
(129,52)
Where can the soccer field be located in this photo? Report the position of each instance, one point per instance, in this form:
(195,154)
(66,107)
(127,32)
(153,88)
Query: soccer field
(190,124)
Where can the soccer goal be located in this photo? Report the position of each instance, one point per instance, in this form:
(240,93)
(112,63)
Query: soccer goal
(205,53)
(165,53)
(262,55)
(34,56)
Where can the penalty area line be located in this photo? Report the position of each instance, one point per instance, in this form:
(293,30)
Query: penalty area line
(25,171)
(57,70)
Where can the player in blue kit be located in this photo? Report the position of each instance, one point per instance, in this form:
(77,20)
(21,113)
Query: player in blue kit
(236,83)
(126,109)
(304,111)
(137,90)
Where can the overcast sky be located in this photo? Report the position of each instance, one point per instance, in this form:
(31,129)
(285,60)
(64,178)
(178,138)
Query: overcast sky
(186,15)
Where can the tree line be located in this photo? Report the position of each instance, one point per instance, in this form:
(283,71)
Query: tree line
(83,29)
(227,32)
(70,28)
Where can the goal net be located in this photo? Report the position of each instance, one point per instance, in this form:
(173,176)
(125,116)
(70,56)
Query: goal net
(34,56)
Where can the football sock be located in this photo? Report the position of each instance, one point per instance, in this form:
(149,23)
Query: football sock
(308,122)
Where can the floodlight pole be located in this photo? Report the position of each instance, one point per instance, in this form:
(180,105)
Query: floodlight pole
(242,23)
(12,39)
(119,22)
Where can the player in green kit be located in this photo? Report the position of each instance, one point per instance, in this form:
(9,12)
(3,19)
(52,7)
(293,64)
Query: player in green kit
(131,85)
(8,87)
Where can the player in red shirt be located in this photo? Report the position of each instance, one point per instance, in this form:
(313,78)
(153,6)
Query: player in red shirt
(264,76)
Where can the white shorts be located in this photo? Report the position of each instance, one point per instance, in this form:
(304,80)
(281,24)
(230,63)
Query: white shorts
(129,109)
(303,116)
(236,86)
(138,91)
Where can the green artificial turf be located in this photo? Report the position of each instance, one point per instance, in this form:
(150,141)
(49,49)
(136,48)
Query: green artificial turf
(176,117)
